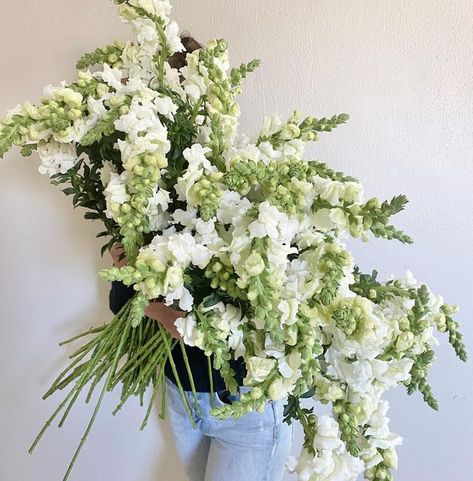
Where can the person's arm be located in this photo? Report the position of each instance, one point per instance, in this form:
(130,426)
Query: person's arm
(120,294)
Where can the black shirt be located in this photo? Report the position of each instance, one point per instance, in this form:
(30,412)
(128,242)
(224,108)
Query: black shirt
(119,295)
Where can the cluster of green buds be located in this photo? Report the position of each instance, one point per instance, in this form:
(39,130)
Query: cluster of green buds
(206,193)
(332,264)
(346,414)
(263,289)
(223,277)
(220,96)
(110,54)
(277,181)
(245,175)
(383,470)
(289,198)
(307,130)
(449,325)
(17,129)
(350,315)
(60,111)
(375,216)
(145,172)
(220,106)
(215,346)
(89,86)
(149,276)
(307,336)
(118,105)
(418,380)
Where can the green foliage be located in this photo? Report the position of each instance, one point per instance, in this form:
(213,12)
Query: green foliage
(83,182)
(368,286)
(307,418)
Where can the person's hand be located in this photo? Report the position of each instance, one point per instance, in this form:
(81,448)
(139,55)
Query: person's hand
(165,315)
(116,251)
(156,310)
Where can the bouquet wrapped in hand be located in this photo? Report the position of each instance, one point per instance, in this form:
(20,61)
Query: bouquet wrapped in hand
(243,234)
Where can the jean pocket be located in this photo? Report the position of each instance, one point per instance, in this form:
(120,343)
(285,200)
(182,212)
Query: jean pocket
(224,398)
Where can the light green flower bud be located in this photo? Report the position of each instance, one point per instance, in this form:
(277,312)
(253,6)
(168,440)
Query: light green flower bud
(72,98)
(102,89)
(161,161)
(254,264)
(404,341)
(256,392)
(390,458)
(126,12)
(290,131)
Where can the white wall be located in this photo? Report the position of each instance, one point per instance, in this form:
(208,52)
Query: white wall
(402,69)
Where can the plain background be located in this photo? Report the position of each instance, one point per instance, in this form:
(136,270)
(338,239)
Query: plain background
(402,69)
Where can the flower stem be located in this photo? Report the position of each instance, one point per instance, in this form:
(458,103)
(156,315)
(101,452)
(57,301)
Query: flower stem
(191,377)
(99,402)
(178,380)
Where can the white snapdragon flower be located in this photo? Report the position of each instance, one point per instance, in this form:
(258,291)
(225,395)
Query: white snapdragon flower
(271,125)
(378,433)
(358,374)
(173,39)
(182,295)
(288,308)
(289,368)
(56,157)
(326,466)
(106,172)
(272,223)
(328,434)
(140,118)
(268,152)
(231,206)
(166,107)
(393,372)
(116,194)
(185,250)
(159,8)
(196,157)
(334,191)
(157,209)
(111,76)
(198,164)
(258,369)
(186,326)
(292,148)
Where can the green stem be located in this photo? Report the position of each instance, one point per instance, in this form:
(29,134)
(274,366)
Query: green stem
(211,383)
(99,402)
(152,400)
(92,330)
(162,413)
(178,380)
(190,376)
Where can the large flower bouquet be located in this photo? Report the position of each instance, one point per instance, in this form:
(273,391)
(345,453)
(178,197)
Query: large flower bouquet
(242,233)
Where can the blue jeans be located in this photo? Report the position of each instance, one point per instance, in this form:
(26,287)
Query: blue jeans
(254,447)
